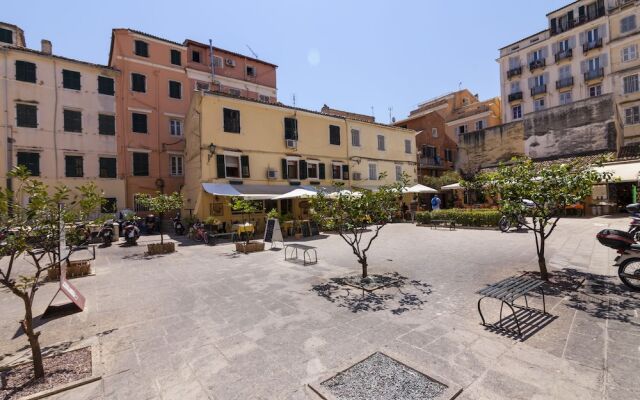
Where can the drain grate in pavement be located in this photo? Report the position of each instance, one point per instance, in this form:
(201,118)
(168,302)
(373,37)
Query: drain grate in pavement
(380,377)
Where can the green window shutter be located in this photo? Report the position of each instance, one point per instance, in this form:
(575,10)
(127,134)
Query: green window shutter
(303,169)
(220,166)
(321,172)
(284,169)
(244,161)
(345,172)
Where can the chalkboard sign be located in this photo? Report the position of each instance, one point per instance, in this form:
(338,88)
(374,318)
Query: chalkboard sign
(306,229)
(315,229)
(272,232)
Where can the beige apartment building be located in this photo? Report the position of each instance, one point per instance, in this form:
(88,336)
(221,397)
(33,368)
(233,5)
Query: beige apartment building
(58,117)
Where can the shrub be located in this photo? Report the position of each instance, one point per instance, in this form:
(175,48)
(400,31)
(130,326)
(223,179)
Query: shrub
(462,217)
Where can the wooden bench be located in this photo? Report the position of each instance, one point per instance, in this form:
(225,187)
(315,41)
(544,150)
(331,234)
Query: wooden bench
(291,253)
(435,223)
(213,237)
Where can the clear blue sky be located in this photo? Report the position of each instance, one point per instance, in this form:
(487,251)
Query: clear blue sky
(350,55)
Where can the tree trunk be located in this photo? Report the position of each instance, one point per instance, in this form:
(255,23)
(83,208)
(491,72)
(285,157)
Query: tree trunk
(363,262)
(160,229)
(36,353)
(542,262)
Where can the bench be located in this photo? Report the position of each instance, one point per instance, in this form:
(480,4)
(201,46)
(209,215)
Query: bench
(435,223)
(213,237)
(508,291)
(291,253)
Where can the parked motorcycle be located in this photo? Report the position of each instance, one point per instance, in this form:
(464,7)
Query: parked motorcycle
(506,221)
(628,259)
(131,233)
(106,233)
(634,224)
(151,224)
(178,226)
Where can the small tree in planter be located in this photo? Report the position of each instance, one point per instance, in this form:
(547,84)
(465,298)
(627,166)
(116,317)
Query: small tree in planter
(161,204)
(246,208)
(32,231)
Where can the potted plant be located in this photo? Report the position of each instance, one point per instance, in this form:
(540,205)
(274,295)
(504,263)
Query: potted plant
(161,204)
(246,207)
(211,223)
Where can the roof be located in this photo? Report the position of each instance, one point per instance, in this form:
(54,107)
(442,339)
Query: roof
(339,113)
(563,7)
(585,159)
(187,42)
(149,36)
(524,38)
(40,53)
(472,109)
(629,152)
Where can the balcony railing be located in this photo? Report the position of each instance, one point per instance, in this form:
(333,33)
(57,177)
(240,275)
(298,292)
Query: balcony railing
(564,55)
(514,72)
(515,96)
(594,44)
(566,25)
(430,161)
(593,74)
(564,82)
(536,90)
(533,65)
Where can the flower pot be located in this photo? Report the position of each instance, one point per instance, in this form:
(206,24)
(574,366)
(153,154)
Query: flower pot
(74,270)
(161,248)
(298,236)
(251,247)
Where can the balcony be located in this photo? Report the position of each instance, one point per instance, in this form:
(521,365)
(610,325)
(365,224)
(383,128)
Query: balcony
(515,96)
(564,82)
(536,90)
(533,65)
(432,162)
(517,71)
(594,74)
(588,46)
(564,55)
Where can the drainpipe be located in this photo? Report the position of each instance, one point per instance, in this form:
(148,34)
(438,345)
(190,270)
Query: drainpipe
(346,123)
(7,125)
(213,71)
(160,147)
(55,117)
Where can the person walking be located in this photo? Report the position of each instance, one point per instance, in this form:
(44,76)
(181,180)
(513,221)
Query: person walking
(435,203)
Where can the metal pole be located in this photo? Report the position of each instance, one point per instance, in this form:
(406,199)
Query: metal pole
(213,72)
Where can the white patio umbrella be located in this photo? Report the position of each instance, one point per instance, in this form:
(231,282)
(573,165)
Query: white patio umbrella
(419,189)
(343,192)
(453,186)
(296,193)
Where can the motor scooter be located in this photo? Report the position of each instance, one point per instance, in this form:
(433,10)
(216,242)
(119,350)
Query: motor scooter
(628,259)
(634,224)
(106,233)
(131,233)
(178,226)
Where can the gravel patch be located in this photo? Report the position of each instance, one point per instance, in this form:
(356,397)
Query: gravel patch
(380,377)
(59,369)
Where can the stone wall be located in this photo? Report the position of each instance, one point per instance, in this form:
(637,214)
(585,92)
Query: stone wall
(490,146)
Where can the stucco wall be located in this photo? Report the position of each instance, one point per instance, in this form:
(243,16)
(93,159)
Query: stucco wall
(494,145)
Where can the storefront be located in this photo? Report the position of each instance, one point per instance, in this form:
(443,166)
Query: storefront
(613,196)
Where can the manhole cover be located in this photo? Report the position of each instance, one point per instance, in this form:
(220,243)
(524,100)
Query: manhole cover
(380,377)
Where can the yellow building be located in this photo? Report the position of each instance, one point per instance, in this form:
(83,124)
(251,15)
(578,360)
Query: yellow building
(257,150)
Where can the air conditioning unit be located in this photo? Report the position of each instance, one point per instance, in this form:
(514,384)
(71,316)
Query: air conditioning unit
(271,174)
(202,86)
(291,144)
(229,62)
(357,176)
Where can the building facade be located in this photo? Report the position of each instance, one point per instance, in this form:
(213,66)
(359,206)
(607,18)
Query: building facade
(263,150)
(158,78)
(58,118)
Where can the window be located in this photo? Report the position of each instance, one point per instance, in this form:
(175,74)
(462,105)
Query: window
(407,146)
(73,167)
(630,84)
(105,86)
(109,205)
(26,115)
(251,71)
(334,135)
(381,142)
(538,104)
(292,169)
(428,151)
(538,81)
(595,90)
(516,111)
(202,86)
(195,56)
(565,98)
(72,121)
(31,161)
(373,172)
(355,138)
(217,62)
(630,53)
(107,167)
(479,125)
(139,122)
(632,115)
(398,172)
(593,35)
(141,48)
(175,57)
(25,71)
(235,92)
(434,132)
(176,165)
(231,120)
(264,98)
(291,129)
(138,83)
(175,90)
(563,45)
(71,79)
(537,55)
(448,155)
(136,204)
(627,24)
(515,87)
(6,36)
(106,124)
(593,64)
(565,72)
(462,129)
(175,127)
(312,170)
(140,164)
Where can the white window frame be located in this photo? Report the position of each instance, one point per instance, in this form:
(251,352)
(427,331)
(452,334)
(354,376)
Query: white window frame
(597,89)
(634,84)
(631,17)
(565,95)
(383,142)
(593,35)
(317,164)
(538,80)
(632,115)
(480,125)
(339,165)
(246,71)
(408,149)
(539,104)
(234,155)
(593,63)
(292,160)
(375,172)
(179,167)
(536,55)
(175,127)
(355,138)
(218,62)
(434,132)
(629,53)
(515,87)
(563,45)
(513,112)
(564,72)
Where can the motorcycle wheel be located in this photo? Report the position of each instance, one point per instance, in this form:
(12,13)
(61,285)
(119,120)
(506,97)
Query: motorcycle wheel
(629,273)
(504,224)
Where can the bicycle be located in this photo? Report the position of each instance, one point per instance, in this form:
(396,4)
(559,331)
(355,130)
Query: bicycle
(506,221)
(198,233)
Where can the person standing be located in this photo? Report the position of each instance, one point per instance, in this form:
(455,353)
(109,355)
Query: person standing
(435,203)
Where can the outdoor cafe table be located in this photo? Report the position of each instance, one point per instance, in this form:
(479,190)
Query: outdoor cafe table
(243,228)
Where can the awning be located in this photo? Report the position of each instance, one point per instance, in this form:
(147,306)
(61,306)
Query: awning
(297,193)
(622,172)
(251,192)
(419,189)
(453,186)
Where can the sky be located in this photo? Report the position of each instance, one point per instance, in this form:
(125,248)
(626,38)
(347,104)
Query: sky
(352,55)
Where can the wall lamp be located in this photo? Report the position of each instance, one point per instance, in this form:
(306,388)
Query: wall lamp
(357,160)
(212,151)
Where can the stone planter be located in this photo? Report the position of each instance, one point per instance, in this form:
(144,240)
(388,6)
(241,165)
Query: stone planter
(158,248)
(298,236)
(252,247)
(75,269)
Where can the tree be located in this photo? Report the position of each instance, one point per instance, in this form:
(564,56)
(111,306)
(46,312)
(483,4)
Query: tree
(31,230)
(161,204)
(350,214)
(550,188)
(437,182)
(245,207)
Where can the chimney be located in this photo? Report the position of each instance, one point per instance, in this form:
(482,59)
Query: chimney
(45,46)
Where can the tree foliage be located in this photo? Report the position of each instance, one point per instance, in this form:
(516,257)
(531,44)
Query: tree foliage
(437,182)
(246,208)
(161,204)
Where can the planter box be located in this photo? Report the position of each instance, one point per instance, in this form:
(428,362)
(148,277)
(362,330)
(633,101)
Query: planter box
(252,247)
(157,248)
(74,269)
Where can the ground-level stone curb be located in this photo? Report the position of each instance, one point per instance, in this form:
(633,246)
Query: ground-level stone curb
(63,388)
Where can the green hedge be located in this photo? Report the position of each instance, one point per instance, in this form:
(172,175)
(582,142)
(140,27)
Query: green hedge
(462,217)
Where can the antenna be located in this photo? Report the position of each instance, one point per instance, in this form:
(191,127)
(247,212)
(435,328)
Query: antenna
(294,99)
(373,114)
(459,85)
(390,115)
(252,52)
